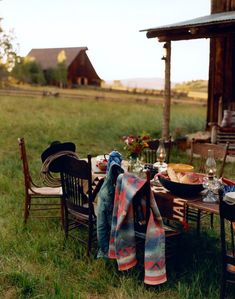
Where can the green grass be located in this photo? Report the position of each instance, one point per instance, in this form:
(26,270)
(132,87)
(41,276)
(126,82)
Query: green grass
(35,261)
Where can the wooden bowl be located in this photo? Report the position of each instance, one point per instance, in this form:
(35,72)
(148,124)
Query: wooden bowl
(180,189)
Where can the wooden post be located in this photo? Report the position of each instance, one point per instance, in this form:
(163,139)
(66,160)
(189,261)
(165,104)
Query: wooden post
(167,92)
(220,111)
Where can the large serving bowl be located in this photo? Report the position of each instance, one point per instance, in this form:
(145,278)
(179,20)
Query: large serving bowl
(179,167)
(181,189)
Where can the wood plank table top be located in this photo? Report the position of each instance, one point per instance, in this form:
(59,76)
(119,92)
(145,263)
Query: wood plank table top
(167,201)
(203,206)
(193,202)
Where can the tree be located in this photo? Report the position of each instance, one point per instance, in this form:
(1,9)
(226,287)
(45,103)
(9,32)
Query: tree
(51,76)
(8,53)
(27,70)
(61,69)
(58,75)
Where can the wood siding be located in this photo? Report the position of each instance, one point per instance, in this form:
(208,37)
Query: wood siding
(81,71)
(222,66)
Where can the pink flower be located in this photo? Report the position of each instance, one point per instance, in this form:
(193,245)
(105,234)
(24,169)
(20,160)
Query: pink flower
(135,144)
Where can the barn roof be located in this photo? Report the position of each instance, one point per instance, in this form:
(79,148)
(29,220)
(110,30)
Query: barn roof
(202,27)
(48,57)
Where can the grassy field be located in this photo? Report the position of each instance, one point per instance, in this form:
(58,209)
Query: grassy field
(35,261)
(181,94)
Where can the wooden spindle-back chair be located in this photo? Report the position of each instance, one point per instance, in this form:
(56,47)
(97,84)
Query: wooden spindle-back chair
(227,233)
(200,150)
(149,154)
(78,198)
(40,201)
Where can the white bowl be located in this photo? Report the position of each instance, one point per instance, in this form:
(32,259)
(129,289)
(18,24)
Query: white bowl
(230,197)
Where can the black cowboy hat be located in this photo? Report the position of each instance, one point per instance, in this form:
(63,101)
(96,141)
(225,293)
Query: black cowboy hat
(57,146)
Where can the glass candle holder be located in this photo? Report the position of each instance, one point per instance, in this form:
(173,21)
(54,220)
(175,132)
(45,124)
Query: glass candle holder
(161,156)
(161,152)
(210,182)
(210,165)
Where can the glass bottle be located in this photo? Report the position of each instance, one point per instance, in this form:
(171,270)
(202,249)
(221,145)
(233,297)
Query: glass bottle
(210,165)
(210,182)
(161,156)
(161,152)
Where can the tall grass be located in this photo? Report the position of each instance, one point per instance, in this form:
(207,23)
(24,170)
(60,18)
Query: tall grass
(35,260)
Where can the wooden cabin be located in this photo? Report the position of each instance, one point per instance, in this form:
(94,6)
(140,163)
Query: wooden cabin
(219,26)
(80,70)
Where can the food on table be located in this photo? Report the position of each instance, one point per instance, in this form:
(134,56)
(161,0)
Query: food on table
(179,167)
(184,177)
(102,162)
(172,174)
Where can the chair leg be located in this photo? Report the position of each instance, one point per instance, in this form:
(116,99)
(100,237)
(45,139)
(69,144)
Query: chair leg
(198,221)
(26,208)
(90,236)
(66,223)
(212,220)
(222,289)
(62,211)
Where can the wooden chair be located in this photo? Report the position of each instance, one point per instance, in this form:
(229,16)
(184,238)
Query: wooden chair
(173,228)
(149,154)
(224,130)
(224,135)
(227,233)
(39,200)
(78,197)
(200,150)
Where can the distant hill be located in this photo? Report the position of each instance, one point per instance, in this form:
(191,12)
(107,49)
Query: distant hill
(191,88)
(194,85)
(147,83)
(143,83)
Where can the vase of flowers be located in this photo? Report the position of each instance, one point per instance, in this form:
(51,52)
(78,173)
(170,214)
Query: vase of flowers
(134,145)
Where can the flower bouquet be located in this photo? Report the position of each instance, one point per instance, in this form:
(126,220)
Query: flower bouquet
(135,144)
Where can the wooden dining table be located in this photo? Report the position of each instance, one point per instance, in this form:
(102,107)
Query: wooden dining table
(171,206)
(181,205)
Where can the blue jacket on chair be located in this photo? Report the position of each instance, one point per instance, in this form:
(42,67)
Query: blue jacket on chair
(105,203)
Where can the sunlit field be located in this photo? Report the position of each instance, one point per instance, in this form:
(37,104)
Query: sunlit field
(35,260)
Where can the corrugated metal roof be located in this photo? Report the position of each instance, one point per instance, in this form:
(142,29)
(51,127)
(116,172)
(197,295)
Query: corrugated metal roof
(48,57)
(213,20)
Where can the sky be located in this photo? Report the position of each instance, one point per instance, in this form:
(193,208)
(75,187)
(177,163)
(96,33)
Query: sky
(111,31)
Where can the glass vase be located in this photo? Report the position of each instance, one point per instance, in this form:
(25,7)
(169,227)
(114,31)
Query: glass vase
(134,164)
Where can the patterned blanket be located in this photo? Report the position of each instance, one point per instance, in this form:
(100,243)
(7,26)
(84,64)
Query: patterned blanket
(122,244)
(170,206)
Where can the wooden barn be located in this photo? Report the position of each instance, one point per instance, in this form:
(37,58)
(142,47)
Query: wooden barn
(219,26)
(80,70)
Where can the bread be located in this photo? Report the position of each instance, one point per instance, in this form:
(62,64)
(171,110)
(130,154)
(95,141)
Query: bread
(189,178)
(185,179)
(172,175)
